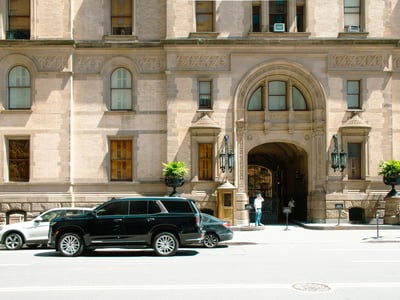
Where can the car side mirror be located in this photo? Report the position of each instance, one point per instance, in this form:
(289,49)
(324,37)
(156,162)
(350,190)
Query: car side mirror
(37,219)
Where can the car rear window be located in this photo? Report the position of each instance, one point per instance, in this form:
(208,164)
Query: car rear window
(177,206)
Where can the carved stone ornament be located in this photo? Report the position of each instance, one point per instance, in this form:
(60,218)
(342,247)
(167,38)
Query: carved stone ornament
(57,63)
(364,62)
(202,62)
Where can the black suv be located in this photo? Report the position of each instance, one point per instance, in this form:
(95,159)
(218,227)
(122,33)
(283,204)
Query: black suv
(162,223)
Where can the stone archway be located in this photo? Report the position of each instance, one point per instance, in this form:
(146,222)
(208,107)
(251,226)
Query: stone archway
(300,132)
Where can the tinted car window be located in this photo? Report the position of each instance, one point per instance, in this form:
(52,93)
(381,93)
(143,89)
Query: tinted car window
(177,206)
(114,208)
(138,207)
(154,208)
(73,212)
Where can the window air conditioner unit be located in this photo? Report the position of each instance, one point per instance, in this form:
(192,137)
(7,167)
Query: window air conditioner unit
(353,28)
(279,27)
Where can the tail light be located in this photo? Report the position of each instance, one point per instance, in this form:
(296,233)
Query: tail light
(198,223)
(227,224)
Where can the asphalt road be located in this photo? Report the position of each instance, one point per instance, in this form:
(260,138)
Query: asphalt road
(273,263)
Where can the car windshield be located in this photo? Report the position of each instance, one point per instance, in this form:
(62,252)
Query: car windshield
(47,217)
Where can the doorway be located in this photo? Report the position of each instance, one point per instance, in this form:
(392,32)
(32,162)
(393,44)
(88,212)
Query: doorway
(278,171)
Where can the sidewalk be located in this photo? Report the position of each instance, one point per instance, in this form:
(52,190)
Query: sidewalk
(325,233)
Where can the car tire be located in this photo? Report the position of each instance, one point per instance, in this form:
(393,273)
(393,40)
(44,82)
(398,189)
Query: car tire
(210,240)
(13,241)
(70,244)
(165,244)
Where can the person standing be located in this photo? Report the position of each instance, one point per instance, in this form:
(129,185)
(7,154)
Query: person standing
(258,208)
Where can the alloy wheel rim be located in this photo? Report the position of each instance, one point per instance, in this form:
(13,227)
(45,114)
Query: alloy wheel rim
(70,244)
(165,244)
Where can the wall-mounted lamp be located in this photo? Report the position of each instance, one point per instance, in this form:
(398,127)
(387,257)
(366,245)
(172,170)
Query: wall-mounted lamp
(226,156)
(338,160)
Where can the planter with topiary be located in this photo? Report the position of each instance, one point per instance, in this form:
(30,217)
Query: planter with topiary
(390,170)
(174,173)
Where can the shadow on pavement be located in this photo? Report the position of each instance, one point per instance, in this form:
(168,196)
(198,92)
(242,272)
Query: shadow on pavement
(119,253)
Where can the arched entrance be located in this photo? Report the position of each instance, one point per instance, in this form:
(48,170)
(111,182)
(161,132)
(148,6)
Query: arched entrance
(278,171)
(279,117)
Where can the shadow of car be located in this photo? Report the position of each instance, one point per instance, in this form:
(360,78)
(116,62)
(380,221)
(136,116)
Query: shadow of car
(216,231)
(35,232)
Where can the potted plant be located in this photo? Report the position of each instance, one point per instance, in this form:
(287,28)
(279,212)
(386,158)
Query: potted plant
(174,173)
(390,169)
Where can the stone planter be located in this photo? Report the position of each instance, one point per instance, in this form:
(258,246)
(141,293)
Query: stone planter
(393,181)
(392,210)
(174,182)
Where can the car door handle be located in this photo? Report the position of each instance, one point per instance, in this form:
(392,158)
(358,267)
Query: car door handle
(150,219)
(117,220)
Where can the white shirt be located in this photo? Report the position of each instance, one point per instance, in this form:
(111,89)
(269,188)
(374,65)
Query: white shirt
(258,202)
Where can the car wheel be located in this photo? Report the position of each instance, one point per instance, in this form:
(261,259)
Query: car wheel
(70,244)
(13,241)
(165,244)
(210,240)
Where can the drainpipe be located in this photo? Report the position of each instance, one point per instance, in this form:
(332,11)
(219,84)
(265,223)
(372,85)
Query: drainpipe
(71,113)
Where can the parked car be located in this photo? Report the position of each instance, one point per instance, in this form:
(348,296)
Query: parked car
(161,223)
(216,230)
(34,233)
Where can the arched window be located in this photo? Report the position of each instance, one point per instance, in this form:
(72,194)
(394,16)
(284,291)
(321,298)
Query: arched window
(298,99)
(121,90)
(255,102)
(19,88)
(282,95)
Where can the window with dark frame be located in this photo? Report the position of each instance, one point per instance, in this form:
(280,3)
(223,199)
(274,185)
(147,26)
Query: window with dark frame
(354,160)
(205,161)
(352,13)
(205,94)
(353,94)
(19,19)
(204,16)
(278,99)
(19,88)
(256,100)
(121,90)
(121,160)
(277,13)
(121,17)
(277,95)
(256,20)
(300,18)
(18,160)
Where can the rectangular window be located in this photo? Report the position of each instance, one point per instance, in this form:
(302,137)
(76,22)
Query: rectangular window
(256,13)
(300,18)
(353,94)
(121,17)
(205,94)
(277,13)
(19,20)
(121,160)
(352,10)
(277,95)
(204,16)
(354,160)
(18,160)
(205,161)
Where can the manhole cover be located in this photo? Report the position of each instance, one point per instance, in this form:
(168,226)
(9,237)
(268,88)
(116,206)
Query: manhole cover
(311,287)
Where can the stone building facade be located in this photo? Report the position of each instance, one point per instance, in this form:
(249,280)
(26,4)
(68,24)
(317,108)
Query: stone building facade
(97,94)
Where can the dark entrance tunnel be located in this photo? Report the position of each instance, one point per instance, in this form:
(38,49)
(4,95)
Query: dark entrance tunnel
(278,171)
